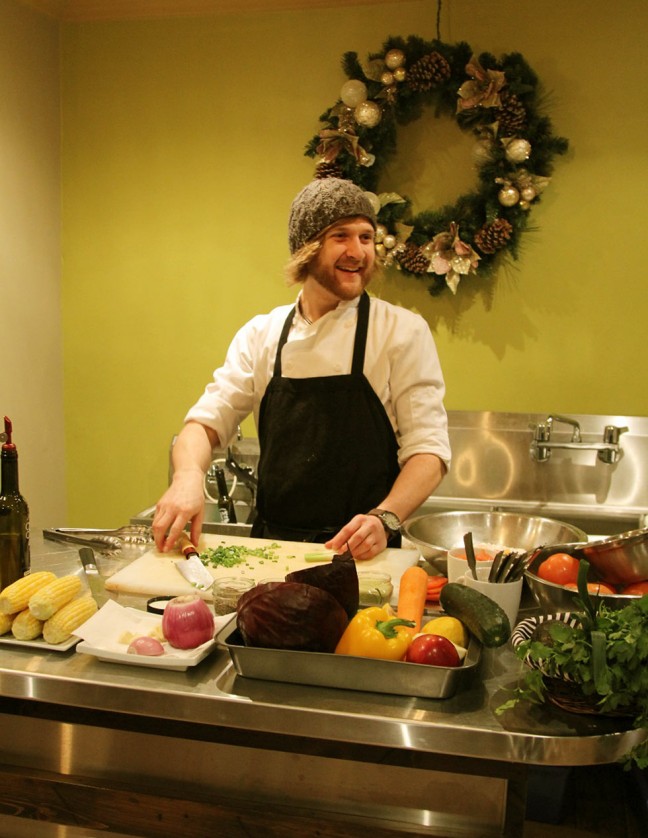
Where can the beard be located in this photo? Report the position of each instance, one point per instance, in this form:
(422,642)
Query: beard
(332,278)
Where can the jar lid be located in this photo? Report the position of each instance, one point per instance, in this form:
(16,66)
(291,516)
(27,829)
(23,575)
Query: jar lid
(157,604)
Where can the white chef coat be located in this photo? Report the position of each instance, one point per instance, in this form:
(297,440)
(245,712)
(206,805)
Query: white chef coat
(401,364)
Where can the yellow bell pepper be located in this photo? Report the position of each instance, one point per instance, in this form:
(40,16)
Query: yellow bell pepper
(375,633)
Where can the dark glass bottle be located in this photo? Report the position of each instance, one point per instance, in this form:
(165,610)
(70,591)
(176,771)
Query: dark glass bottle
(14,516)
(225,502)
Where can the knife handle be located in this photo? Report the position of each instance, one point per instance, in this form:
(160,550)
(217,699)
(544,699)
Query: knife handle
(187,548)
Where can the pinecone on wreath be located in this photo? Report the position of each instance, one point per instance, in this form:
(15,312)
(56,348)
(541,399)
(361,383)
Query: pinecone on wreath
(325,169)
(412,259)
(427,72)
(493,237)
(511,116)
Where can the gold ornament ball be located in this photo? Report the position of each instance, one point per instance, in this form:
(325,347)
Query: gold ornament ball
(353,93)
(387,78)
(508,196)
(528,193)
(381,232)
(400,73)
(525,205)
(368,114)
(395,58)
(517,151)
(389,241)
(380,251)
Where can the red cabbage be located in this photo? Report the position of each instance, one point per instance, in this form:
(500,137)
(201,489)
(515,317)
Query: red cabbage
(338,577)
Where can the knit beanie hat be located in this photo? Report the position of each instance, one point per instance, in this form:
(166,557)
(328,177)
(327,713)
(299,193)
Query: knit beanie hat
(320,204)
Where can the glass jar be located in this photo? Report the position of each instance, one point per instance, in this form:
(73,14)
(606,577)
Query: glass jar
(226,593)
(375,588)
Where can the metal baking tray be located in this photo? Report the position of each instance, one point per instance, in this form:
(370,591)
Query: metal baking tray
(321,669)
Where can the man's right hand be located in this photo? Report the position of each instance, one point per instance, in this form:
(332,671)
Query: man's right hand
(182,502)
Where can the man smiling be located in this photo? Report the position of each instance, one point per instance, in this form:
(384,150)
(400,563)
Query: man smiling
(347,394)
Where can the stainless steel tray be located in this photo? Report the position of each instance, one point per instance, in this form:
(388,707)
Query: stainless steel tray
(320,669)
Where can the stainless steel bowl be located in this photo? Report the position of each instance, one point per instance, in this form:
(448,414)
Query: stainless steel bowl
(553,598)
(620,560)
(436,533)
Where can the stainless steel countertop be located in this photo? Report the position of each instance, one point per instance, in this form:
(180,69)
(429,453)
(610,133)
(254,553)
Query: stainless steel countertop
(212,694)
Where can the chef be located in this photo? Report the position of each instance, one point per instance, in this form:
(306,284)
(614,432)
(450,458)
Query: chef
(346,391)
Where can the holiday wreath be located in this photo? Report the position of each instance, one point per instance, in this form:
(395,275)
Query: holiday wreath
(495,100)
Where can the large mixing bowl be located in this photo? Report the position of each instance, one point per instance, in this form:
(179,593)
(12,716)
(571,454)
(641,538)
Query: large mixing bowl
(621,559)
(554,598)
(436,533)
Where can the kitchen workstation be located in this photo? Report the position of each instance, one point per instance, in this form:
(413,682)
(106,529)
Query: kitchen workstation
(279,720)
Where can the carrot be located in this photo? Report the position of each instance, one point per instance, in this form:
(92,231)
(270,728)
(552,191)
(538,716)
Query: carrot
(411,596)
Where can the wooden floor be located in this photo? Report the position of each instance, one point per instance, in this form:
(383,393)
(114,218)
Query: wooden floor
(601,800)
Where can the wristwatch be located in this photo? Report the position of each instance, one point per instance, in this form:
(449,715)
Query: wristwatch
(389,520)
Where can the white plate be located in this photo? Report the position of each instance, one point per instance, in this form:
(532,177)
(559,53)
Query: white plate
(166,661)
(40,644)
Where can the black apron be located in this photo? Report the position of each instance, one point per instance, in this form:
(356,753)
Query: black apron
(328,450)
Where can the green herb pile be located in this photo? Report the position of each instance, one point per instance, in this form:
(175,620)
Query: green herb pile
(230,556)
(605,654)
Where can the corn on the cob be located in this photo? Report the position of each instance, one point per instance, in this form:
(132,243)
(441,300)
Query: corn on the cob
(53,596)
(26,627)
(5,622)
(60,626)
(15,597)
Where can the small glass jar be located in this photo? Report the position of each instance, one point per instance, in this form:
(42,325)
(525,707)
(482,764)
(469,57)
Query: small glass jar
(227,591)
(375,588)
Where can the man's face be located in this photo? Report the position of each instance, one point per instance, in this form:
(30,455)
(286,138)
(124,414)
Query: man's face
(345,262)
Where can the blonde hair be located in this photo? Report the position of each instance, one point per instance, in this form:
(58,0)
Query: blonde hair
(296,269)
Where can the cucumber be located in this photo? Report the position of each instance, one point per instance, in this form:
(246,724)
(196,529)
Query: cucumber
(482,616)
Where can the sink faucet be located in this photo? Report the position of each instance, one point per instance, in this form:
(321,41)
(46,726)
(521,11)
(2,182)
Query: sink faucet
(608,451)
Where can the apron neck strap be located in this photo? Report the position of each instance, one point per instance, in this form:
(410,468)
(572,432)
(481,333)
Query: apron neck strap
(359,346)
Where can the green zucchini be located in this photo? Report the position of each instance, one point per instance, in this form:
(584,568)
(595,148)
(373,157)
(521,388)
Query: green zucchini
(482,616)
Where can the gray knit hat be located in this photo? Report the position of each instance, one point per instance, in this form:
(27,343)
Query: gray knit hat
(322,203)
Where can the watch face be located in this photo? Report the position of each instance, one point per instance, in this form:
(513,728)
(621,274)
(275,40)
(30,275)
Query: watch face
(390,520)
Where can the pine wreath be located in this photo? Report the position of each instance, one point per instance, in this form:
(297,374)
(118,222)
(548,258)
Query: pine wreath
(495,100)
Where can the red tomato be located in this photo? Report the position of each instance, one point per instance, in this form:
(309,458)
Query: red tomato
(432,649)
(561,569)
(637,588)
(592,587)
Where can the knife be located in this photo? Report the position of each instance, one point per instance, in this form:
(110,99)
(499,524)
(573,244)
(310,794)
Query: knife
(92,575)
(193,570)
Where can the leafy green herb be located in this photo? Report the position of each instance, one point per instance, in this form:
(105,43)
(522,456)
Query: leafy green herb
(605,654)
(230,556)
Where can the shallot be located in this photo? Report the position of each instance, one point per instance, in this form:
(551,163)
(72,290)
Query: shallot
(145,646)
(187,622)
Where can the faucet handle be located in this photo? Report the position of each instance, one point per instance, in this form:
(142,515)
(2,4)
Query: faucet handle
(611,434)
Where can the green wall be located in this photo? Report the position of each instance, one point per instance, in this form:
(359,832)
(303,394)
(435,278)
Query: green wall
(183,147)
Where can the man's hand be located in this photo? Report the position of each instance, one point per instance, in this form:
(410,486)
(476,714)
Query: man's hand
(183,501)
(364,536)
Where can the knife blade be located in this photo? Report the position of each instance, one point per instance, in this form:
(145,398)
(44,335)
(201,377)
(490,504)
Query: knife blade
(92,575)
(192,568)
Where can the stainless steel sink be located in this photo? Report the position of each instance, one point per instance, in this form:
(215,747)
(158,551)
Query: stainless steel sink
(212,523)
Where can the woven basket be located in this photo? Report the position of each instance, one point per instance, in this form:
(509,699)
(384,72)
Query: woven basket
(568,696)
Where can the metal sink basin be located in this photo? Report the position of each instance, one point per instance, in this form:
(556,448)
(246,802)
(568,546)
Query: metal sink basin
(212,523)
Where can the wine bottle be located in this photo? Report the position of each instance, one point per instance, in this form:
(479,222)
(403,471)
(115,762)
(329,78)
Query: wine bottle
(225,502)
(14,515)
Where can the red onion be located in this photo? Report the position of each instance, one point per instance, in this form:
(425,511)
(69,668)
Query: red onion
(187,622)
(146,646)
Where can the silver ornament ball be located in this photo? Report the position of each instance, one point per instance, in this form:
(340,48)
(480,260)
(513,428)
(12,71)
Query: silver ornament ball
(395,58)
(368,114)
(389,241)
(517,151)
(353,93)
(508,196)
(381,232)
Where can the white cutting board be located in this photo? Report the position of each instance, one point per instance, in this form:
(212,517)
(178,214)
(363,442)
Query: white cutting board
(156,574)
